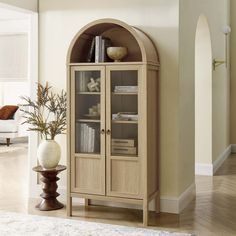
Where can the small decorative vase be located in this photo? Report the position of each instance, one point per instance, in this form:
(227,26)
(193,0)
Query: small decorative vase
(49,154)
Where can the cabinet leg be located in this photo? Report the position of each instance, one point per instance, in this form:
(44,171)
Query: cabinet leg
(145,213)
(69,206)
(86,202)
(8,141)
(158,203)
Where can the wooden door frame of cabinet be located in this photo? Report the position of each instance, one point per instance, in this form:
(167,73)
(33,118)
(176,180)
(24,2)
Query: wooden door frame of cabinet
(139,159)
(145,199)
(74,155)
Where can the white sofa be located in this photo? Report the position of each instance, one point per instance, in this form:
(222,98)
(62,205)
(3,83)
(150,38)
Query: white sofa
(12,128)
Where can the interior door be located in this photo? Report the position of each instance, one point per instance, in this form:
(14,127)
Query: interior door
(88,129)
(122,134)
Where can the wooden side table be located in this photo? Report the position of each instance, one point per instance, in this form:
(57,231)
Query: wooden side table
(49,195)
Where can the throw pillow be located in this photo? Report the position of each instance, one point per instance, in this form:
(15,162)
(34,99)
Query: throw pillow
(7,112)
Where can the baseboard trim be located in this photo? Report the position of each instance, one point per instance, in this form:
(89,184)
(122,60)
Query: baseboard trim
(167,204)
(186,197)
(233,148)
(220,160)
(210,169)
(203,169)
(176,205)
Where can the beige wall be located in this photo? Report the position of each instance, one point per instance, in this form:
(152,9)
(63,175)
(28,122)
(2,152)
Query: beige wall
(60,20)
(216,13)
(31,5)
(233,74)
(203,92)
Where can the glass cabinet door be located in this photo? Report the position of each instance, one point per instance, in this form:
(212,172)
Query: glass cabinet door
(122,115)
(88,126)
(88,99)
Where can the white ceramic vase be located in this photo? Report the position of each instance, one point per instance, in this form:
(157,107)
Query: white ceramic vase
(49,154)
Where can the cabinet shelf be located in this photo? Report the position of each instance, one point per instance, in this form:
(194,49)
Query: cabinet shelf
(88,93)
(88,121)
(105,63)
(124,121)
(117,94)
(124,157)
(122,171)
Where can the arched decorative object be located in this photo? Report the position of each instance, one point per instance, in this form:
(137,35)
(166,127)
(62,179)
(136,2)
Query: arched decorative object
(112,172)
(140,47)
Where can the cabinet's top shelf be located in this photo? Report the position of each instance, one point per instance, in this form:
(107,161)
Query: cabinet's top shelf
(105,63)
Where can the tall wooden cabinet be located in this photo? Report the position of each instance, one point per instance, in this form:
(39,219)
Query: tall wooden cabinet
(113,129)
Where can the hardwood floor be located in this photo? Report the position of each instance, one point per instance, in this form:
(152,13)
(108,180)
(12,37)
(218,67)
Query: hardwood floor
(212,213)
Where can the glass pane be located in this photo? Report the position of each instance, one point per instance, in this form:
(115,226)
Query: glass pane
(87,111)
(124,109)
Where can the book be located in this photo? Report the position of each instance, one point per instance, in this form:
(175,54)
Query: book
(101,45)
(98,44)
(123,142)
(91,53)
(124,150)
(106,42)
(93,140)
(126,89)
(82,134)
(128,116)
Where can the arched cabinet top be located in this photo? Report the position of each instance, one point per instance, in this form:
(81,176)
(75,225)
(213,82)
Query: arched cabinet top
(139,45)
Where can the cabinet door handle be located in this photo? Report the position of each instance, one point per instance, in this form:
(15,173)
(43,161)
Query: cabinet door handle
(108,132)
(102,131)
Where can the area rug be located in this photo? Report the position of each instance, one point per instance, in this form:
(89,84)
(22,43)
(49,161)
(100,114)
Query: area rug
(15,224)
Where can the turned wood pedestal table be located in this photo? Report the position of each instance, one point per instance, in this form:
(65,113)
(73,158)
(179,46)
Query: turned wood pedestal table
(49,181)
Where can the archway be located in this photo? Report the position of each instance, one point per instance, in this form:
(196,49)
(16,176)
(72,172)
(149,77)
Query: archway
(203,96)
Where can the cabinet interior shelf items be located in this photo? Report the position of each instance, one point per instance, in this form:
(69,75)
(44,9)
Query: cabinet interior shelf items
(112,118)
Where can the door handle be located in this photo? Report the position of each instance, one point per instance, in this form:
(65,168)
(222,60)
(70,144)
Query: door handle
(102,131)
(108,132)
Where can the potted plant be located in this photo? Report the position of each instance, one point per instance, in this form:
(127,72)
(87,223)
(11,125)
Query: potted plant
(47,115)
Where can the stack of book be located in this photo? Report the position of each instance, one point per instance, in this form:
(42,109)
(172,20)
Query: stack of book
(126,89)
(124,147)
(89,138)
(126,116)
(98,49)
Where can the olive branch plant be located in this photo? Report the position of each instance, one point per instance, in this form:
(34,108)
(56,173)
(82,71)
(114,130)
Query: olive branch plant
(47,114)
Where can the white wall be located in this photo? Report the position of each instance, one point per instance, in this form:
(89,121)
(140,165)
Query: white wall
(31,5)
(14,26)
(11,91)
(60,20)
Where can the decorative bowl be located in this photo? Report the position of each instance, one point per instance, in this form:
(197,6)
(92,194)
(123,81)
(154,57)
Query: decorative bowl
(117,53)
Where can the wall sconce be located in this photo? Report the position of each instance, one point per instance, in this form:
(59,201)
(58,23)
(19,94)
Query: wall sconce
(226,31)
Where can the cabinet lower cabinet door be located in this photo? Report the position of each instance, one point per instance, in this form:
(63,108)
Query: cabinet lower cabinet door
(123,178)
(89,175)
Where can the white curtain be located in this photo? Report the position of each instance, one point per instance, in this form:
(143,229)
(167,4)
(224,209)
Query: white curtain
(14,57)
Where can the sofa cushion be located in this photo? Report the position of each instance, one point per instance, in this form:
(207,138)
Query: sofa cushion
(7,112)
